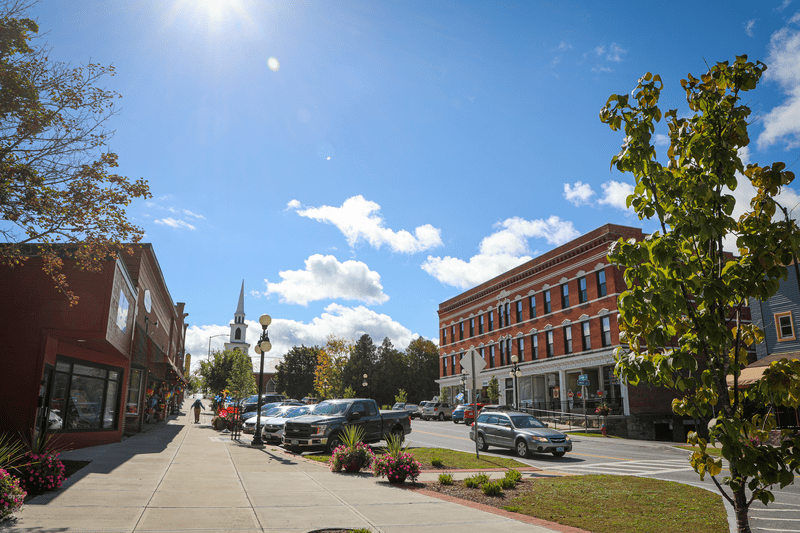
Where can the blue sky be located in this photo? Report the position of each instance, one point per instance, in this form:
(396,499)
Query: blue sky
(357,163)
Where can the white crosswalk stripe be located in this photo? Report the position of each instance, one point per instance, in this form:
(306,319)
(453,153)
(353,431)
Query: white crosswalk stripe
(627,468)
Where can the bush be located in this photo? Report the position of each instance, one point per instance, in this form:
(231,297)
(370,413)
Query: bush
(40,472)
(473,482)
(402,465)
(492,489)
(507,483)
(446,479)
(12,495)
(514,475)
(437,462)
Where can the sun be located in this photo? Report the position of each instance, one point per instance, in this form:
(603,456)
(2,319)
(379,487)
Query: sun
(214,13)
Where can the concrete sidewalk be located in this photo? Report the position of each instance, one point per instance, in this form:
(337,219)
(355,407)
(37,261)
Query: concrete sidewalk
(181,476)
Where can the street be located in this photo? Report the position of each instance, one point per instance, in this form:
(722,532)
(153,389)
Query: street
(595,455)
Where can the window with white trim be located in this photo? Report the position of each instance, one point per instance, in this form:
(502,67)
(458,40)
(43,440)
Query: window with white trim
(784,323)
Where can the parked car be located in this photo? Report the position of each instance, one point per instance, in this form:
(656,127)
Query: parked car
(251,403)
(272,429)
(249,425)
(469,412)
(520,432)
(264,409)
(495,407)
(458,414)
(420,408)
(410,408)
(440,410)
(321,430)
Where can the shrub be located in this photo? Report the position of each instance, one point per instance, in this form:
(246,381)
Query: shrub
(507,483)
(514,475)
(12,495)
(512,508)
(492,489)
(446,479)
(437,462)
(401,465)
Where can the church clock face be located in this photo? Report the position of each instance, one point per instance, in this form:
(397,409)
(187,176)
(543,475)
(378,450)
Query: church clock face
(148,301)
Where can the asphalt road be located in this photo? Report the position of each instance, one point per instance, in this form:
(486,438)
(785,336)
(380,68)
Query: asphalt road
(591,455)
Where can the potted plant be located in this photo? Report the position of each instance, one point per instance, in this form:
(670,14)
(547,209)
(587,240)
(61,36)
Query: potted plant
(353,455)
(396,464)
(12,496)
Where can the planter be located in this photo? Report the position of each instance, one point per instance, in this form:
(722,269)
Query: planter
(219,424)
(352,467)
(400,478)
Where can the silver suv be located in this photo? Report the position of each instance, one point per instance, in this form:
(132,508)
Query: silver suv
(438,410)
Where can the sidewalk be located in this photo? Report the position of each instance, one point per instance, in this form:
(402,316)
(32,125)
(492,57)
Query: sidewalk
(180,476)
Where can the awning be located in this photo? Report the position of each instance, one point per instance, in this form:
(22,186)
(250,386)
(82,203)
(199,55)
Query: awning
(755,371)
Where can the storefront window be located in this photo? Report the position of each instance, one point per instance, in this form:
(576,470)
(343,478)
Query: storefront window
(132,405)
(85,397)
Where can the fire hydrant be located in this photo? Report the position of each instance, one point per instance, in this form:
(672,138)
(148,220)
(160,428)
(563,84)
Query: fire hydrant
(603,430)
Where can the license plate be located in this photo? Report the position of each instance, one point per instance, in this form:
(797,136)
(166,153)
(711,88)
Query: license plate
(293,441)
(560,449)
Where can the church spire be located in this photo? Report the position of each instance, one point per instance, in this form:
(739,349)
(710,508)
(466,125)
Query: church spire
(238,335)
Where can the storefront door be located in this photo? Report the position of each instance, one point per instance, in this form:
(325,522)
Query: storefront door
(43,409)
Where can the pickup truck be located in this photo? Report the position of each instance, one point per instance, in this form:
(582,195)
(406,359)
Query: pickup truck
(321,430)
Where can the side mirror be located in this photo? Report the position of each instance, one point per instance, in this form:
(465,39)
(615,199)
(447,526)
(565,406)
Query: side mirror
(354,416)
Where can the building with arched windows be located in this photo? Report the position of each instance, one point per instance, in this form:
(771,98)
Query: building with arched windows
(557,314)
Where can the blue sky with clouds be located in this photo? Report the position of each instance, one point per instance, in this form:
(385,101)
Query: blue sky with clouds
(357,163)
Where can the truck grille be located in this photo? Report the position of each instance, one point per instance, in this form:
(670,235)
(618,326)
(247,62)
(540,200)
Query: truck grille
(297,431)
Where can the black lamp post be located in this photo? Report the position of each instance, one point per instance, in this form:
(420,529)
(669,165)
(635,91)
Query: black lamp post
(262,347)
(464,385)
(515,373)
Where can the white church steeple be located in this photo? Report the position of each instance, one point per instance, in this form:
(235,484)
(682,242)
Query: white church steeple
(238,335)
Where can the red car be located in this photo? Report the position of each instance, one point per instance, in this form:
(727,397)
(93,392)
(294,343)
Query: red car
(469,412)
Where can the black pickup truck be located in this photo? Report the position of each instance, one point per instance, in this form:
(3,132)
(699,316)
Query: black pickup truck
(321,430)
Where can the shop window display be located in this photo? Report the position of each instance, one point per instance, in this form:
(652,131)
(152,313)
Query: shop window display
(85,396)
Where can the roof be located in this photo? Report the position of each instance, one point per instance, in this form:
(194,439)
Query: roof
(753,372)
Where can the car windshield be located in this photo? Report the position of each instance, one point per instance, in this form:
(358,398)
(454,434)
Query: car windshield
(398,407)
(331,408)
(526,421)
(297,411)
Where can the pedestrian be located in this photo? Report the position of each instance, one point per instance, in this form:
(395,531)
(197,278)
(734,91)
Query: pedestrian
(197,406)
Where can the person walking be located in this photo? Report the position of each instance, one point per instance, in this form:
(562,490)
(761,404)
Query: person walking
(197,406)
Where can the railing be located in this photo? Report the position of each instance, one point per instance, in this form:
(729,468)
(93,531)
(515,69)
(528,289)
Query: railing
(559,419)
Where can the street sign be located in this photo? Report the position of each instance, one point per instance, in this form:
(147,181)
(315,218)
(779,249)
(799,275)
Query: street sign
(469,357)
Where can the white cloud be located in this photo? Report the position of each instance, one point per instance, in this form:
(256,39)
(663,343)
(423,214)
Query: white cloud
(500,251)
(615,194)
(600,68)
(615,52)
(600,50)
(782,124)
(326,278)
(661,139)
(347,322)
(579,193)
(564,46)
(174,223)
(195,215)
(783,6)
(359,219)
(748,27)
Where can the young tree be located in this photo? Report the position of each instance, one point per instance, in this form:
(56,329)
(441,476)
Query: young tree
(683,313)
(390,373)
(241,381)
(493,390)
(295,374)
(401,396)
(58,198)
(361,362)
(216,372)
(330,365)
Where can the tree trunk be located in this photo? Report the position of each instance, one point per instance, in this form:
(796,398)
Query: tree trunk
(741,508)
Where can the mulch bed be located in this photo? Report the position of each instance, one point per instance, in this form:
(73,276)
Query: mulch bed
(458,490)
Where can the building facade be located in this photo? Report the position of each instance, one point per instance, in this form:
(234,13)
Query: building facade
(85,370)
(558,315)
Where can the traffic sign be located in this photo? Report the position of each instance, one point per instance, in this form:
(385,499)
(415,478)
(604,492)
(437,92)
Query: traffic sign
(472,356)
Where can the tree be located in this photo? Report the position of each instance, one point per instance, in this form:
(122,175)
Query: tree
(241,381)
(390,373)
(422,362)
(56,189)
(222,367)
(295,374)
(683,314)
(401,396)
(361,362)
(493,390)
(330,365)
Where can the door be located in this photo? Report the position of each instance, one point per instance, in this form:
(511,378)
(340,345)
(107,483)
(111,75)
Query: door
(43,421)
(505,432)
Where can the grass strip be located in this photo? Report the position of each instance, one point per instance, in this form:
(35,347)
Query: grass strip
(623,504)
(450,459)
(709,450)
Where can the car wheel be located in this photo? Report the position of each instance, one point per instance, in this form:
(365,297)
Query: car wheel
(441,417)
(522,449)
(333,443)
(558,454)
(398,433)
(455,421)
(482,446)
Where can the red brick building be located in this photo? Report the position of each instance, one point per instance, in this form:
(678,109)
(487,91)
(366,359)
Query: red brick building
(558,314)
(83,371)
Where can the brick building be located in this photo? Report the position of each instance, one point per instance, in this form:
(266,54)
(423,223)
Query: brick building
(558,314)
(83,370)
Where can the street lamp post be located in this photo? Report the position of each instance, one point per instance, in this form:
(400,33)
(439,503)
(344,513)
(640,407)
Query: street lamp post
(208,353)
(515,373)
(262,347)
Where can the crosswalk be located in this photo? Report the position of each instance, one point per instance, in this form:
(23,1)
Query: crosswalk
(626,468)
